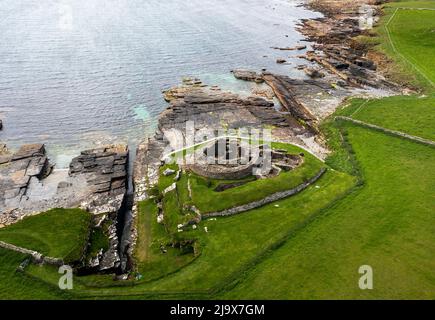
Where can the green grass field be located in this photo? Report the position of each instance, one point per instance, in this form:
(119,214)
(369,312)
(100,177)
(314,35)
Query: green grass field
(414,115)
(16,285)
(59,233)
(151,262)
(412,4)
(231,245)
(407,36)
(388,224)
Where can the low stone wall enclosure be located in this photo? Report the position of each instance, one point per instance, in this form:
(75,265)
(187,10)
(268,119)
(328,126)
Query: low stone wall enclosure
(269,199)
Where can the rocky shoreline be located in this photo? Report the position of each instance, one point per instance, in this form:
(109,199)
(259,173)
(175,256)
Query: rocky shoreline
(97,180)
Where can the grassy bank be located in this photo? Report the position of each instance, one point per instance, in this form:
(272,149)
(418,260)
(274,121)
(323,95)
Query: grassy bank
(59,233)
(16,285)
(229,246)
(414,114)
(387,223)
(406,37)
(151,262)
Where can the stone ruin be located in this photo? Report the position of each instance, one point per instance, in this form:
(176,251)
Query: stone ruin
(224,159)
(235,159)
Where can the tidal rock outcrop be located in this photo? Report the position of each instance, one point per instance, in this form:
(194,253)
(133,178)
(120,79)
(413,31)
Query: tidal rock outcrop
(106,172)
(96,181)
(336,48)
(306,100)
(286,96)
(247,75)
(213,109)
(17,172)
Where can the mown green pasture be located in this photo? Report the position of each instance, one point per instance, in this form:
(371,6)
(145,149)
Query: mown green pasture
(59,233)
(387,223)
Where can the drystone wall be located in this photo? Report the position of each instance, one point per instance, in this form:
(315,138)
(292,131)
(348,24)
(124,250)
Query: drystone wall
(269,199)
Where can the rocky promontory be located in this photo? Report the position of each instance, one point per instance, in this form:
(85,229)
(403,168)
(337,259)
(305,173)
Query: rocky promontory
(96,181)
(212,110)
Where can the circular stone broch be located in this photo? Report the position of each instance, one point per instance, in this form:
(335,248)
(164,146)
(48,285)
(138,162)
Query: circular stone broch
(234,159)
(226,159)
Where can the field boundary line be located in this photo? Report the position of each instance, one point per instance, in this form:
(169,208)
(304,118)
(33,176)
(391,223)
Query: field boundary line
(400,54)
(359,108)
(410,8)
(388,131)
(274,197)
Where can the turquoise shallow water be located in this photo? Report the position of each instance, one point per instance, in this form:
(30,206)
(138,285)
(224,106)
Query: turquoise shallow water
(76,73)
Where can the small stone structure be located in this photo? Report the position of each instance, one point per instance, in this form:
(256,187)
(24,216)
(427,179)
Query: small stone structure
(225,159)
(35,255)
(234,159)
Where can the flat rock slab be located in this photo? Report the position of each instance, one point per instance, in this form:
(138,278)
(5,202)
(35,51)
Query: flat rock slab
(213,109)
(105,170)
(16,171)
(247,75)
